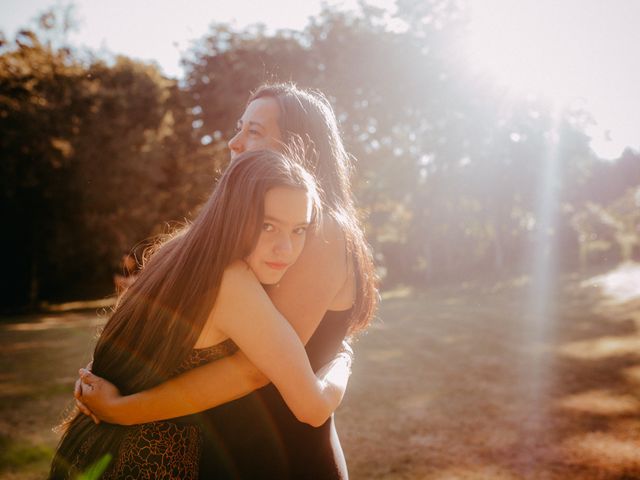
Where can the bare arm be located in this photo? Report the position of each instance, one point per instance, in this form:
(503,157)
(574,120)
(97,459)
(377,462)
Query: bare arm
(185,394)
(244,312)
(303,296)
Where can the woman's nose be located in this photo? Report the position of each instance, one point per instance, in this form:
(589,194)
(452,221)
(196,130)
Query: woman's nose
(235,144)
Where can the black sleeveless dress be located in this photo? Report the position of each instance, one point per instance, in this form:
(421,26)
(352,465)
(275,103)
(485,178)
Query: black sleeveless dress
(257,436)
(163,450)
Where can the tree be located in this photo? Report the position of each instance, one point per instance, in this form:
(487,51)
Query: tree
(89,160)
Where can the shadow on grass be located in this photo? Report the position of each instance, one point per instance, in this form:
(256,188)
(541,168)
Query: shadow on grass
(451,384)
(39,359)
(597,388)
(447,384)
(20,455)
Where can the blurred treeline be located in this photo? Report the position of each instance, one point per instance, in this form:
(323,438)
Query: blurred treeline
(454,176)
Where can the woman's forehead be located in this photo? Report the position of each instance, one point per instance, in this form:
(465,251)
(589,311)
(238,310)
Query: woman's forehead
(262,110)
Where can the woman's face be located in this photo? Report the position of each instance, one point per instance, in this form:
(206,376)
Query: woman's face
(258,128)
(287,213)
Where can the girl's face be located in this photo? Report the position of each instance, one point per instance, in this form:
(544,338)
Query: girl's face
(258,128)
(287,213)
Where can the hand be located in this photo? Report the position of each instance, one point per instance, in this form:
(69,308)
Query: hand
(346,348)
(97,396)
(338,368)
(77,393)
(335,375)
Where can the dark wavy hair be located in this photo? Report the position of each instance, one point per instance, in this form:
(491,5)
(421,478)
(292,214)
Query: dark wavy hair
(159,318)
(307,115)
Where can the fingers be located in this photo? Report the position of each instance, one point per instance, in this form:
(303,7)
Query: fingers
(84,378)
(88,378)
(77,389)
(347,348)
(84,374)
(81,383)
(85,410)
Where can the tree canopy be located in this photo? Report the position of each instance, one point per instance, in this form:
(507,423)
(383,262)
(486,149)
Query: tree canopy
(452,171)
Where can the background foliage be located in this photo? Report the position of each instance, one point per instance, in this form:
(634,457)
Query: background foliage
(452,173)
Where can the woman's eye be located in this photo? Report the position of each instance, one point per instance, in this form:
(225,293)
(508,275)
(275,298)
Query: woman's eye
(267,227)
(254,132)
(300,230)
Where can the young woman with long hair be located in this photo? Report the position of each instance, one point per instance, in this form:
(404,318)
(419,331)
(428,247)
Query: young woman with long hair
(329,294)
(199,298)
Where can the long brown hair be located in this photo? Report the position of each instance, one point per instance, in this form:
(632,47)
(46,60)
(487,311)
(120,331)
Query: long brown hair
(158,319)
(307,114)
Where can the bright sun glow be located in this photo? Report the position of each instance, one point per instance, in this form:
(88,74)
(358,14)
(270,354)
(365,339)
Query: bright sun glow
(568,50)
(574,50)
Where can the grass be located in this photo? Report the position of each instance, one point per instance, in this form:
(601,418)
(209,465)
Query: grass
(39,359)
(20,455)
(471,381)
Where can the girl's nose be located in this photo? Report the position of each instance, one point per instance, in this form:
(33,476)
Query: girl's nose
(284,244)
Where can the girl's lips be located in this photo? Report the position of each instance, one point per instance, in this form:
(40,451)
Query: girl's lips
(277,265)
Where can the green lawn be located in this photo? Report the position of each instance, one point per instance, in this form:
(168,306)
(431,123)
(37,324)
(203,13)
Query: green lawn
(39,360)
(471,381)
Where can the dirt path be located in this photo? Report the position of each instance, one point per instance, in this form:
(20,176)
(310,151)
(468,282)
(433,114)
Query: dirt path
(471,382)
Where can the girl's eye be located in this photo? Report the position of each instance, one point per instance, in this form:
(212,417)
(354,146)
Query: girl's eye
(300,230)
(267,227)
(254,132)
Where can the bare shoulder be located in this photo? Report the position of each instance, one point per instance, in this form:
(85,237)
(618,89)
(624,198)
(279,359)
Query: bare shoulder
(315,282)
(238,288)
(240,297)
(323,262)
(338,265)
(238,283)
(330,231)
(326,241)
(319,273)
(237,272)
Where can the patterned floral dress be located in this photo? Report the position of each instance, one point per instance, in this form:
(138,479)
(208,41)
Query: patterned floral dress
(168,449)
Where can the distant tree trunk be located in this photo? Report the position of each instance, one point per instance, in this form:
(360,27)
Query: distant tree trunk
(33,257)
(34,281)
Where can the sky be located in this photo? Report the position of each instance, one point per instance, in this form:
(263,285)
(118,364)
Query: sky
(578,52)
(156,29)
(573,51)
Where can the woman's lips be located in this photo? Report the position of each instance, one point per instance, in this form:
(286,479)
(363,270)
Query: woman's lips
(277,265)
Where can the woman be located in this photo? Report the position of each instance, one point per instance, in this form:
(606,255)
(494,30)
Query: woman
(329,291)
(198,297)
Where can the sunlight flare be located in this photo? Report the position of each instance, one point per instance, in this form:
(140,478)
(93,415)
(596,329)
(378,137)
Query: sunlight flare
(601,402)
(565,51)
(619,285)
